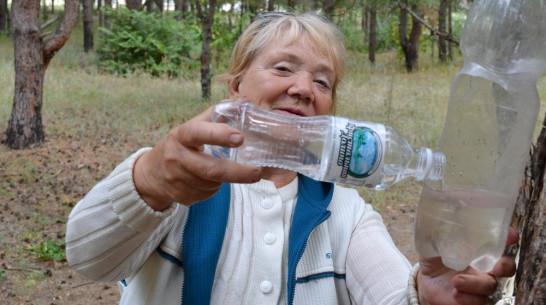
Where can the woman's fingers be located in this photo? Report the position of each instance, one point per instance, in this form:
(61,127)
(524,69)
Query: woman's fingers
(513,236)
(199,133)
(505,267)
(209,168)
(177,168)
(475,283)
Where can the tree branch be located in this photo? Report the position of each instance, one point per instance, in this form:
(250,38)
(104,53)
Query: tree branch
(45,34)
(442,35)
(49,22)
(59,38)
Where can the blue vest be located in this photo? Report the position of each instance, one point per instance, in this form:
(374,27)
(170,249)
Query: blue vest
(206,225)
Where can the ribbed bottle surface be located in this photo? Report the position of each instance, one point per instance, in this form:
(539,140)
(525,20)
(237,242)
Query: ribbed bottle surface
(325,148)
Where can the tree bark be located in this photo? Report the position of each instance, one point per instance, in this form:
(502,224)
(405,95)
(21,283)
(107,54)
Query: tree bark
(372,13)
(208,21)
(25,124)
(149,5)
(107,4)
(31,58)
(530,220)
(3,15)
(271,5)
(291,5)
(160,5)
(182,7)
(409,45)
(329,9)
(230,15)
(101,13)
(45,12)
(59,38)
(88,25)
(450,29)
(442,45)
(134,4)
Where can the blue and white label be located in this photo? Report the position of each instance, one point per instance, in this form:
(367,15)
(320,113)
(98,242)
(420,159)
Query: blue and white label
(357,154)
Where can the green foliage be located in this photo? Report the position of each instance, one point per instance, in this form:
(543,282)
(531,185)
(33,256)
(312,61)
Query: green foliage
(148,42)
(356,39)
(49,250)
(350,25)
(224,37)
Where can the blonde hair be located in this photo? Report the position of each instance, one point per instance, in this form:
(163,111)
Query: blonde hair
(324,35)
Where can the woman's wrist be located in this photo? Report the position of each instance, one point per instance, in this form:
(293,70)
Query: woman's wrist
(413,296)
(142,184)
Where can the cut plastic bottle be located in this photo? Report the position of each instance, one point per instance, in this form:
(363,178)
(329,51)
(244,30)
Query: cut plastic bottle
(486,138)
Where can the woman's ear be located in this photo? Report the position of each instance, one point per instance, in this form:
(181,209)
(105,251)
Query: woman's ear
(233,88)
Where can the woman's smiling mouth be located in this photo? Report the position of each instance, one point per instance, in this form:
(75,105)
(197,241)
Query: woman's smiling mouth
(290,111)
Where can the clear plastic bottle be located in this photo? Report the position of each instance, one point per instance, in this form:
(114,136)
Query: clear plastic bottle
(326,148)
(491,118)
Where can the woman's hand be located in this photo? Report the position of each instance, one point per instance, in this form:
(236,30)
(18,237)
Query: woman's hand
(178,170)
(439,285)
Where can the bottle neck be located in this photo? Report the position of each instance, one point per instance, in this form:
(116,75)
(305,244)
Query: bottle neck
(431,165)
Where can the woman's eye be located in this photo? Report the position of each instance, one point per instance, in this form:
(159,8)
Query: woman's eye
(323,83)
(282,67)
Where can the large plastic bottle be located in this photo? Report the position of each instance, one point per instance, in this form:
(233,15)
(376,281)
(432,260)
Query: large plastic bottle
(491,118)
(326,148)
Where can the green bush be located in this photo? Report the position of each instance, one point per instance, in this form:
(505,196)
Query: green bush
(148,42)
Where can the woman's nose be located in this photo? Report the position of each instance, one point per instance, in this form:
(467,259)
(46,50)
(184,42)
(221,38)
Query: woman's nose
(302,87)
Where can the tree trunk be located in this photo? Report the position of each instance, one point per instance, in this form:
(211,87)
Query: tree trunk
(31,58)
(530,220)
(88,25)
(101,13)
(3,15)
(179,6)
(208,21)
(450,29)
(230,15)
(160,5)
(25,124)
(372,34)
(329,9)
(364,23)
(410,46)
(442,44)
(134,4)
(107,4)
(45,12)
(149,5)
(291,5)
(271,5)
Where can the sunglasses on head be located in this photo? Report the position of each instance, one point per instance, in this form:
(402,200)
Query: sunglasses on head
(272,15)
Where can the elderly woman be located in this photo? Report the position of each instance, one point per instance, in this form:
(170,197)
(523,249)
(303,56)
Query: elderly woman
(175,225)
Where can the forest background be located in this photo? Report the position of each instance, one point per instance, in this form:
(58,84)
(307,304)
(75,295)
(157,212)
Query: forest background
(129,73)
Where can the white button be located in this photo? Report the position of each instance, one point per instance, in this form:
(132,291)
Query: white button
(269,238)
(266,286)
(267,203)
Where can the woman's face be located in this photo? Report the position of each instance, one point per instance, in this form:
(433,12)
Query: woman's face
(289,79)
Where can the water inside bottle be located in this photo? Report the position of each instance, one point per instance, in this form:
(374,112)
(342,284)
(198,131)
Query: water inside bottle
(464,226)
